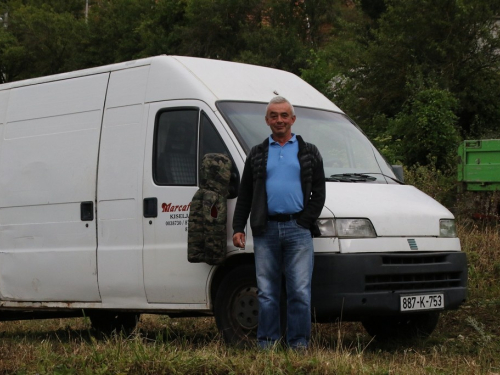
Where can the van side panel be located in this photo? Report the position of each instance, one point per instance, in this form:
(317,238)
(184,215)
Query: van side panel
(119,191)
(4,101)
(48,159)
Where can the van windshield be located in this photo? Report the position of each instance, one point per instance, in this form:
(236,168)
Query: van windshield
(348,155)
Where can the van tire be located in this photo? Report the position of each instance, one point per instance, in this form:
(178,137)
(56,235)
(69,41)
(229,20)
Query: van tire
(407,327)
(108,322)
(236,306)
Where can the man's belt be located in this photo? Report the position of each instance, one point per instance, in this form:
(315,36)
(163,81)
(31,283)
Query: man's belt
(283,217)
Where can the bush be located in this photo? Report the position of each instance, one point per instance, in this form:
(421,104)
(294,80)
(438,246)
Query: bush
(439,184)
(425,129)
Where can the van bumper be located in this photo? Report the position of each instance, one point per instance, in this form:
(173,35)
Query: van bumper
(356,286)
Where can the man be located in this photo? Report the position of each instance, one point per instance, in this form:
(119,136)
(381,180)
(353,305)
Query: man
(283,191)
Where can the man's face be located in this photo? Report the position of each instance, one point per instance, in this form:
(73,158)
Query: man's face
(280,119)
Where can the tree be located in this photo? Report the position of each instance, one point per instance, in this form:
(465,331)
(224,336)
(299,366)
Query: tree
(425,132)
(287,33)
(450,43)
(276,37)
(450,46)
(74,7)
(38,41)
(113,33)
(162,31)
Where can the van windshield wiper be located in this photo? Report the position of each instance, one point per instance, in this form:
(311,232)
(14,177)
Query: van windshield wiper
(351,177)
(393,179)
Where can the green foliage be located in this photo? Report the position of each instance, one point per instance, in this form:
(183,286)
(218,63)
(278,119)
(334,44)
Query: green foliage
(318,72)
(74,7)
(39,42)
(455,52)
(373,8)
(113,33)
(481,242)
(449,47)
(340,57)
(425,129)
(274,33)
(274,47)
(213,28)
(161,32)
(439,184)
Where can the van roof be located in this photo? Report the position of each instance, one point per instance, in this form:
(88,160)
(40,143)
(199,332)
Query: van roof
(237,81)
(181,77)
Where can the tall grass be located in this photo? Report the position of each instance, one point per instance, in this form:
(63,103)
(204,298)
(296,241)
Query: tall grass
(481,242)
(192,346)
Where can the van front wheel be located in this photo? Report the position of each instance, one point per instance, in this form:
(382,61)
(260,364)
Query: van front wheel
(236,306)
(405,327)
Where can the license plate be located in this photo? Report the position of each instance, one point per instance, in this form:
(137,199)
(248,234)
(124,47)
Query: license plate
(422,302)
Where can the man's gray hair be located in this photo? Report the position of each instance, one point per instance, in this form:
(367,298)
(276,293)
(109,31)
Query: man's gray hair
(278,100)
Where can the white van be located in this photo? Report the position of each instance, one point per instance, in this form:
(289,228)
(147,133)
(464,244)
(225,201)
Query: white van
(98,168)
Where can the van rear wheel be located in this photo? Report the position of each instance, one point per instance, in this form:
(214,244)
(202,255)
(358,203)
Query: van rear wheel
(405,327)
(236,306)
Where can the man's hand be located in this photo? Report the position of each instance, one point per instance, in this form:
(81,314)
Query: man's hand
(239,240)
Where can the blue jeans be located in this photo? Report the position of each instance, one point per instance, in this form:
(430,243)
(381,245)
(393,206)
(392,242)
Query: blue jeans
(287,248)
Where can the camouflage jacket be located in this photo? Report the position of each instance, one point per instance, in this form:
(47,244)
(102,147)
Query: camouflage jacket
(207,233)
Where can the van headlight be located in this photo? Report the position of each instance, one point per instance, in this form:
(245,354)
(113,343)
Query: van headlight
(346,228)
(447,228)
(327,227)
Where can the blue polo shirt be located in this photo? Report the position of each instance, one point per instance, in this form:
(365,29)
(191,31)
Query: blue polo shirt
(284,190)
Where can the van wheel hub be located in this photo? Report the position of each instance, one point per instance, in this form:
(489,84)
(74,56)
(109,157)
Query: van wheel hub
(246,308)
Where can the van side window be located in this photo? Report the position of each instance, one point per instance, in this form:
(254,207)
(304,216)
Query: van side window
(210,139)
(211,142)
(175,161)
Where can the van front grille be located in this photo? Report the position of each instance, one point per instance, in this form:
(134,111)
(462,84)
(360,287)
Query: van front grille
(414,259)
(427,281)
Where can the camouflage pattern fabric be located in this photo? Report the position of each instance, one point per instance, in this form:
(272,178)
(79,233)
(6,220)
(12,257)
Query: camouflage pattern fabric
(207,234)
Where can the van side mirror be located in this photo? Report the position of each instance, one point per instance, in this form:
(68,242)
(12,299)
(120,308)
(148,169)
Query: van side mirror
(399,172)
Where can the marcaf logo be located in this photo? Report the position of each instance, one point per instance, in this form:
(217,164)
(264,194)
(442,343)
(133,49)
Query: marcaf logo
(169,207)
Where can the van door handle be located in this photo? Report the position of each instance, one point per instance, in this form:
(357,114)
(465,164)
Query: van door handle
(87,211)
(150,207)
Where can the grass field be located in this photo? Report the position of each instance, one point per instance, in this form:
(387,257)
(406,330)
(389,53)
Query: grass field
(466,341)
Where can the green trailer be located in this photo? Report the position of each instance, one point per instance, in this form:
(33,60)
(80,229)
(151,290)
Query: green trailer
(479,165)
